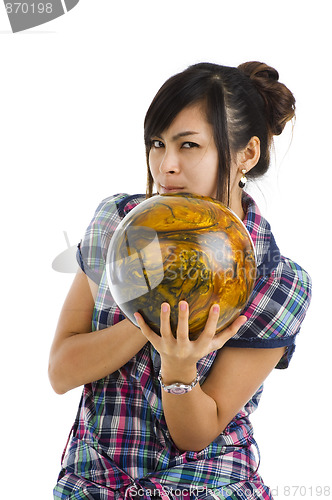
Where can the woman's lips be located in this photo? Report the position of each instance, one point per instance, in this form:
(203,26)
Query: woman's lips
(170,189)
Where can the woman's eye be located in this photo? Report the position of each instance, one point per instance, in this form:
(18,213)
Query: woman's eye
(156,144)
(189,145)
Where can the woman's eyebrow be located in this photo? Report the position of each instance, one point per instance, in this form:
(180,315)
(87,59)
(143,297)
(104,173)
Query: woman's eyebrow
(181,134)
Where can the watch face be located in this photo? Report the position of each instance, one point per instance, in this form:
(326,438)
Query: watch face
(178,389)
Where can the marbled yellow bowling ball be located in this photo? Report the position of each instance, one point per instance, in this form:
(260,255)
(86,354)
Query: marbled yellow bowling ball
(176,247)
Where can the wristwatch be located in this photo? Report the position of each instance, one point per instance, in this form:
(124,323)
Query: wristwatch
(178,387)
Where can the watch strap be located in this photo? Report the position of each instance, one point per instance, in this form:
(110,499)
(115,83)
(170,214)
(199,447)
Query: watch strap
(178,387)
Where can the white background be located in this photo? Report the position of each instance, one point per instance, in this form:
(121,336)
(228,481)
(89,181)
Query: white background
(73,95)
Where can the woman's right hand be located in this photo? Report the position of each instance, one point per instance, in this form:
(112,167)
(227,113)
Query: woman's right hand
(79,356)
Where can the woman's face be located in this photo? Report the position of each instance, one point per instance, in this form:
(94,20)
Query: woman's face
(184,157)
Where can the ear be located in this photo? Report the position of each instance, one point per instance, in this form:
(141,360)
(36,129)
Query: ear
(249,156)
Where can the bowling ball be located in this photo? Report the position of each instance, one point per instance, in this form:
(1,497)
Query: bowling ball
(174,247)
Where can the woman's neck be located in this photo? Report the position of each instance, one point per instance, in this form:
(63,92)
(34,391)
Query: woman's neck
(236,206)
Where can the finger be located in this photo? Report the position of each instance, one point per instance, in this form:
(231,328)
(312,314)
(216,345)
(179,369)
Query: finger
(165,326)
(212,321)
(210,327)
(182,332)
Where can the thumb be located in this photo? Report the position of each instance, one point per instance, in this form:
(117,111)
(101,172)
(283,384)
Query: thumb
(232,329)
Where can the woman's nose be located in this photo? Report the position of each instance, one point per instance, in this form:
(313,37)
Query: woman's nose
(170,163)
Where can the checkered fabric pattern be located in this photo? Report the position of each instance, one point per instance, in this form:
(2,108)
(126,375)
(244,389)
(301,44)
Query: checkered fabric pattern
(119,446)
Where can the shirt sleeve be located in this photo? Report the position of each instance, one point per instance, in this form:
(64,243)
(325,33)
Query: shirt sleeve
(92,250)
(276,310)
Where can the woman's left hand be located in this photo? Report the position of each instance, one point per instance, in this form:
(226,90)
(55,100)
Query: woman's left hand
(181,352)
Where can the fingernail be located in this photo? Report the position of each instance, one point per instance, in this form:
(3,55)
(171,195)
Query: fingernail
(215,308)
(164,308)
(183,306)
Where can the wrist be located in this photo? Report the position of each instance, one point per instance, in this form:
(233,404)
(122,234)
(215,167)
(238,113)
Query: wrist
(184,375)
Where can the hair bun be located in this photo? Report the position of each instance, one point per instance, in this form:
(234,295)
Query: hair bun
(279,100)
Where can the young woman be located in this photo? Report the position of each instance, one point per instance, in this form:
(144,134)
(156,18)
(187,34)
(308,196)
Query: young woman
(207,130)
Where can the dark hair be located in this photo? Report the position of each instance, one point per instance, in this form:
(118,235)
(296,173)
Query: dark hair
(240,103)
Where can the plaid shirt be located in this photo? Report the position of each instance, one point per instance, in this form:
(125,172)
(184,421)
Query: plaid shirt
(120,446)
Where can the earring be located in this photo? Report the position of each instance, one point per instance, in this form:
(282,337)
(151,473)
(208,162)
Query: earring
(243,179)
